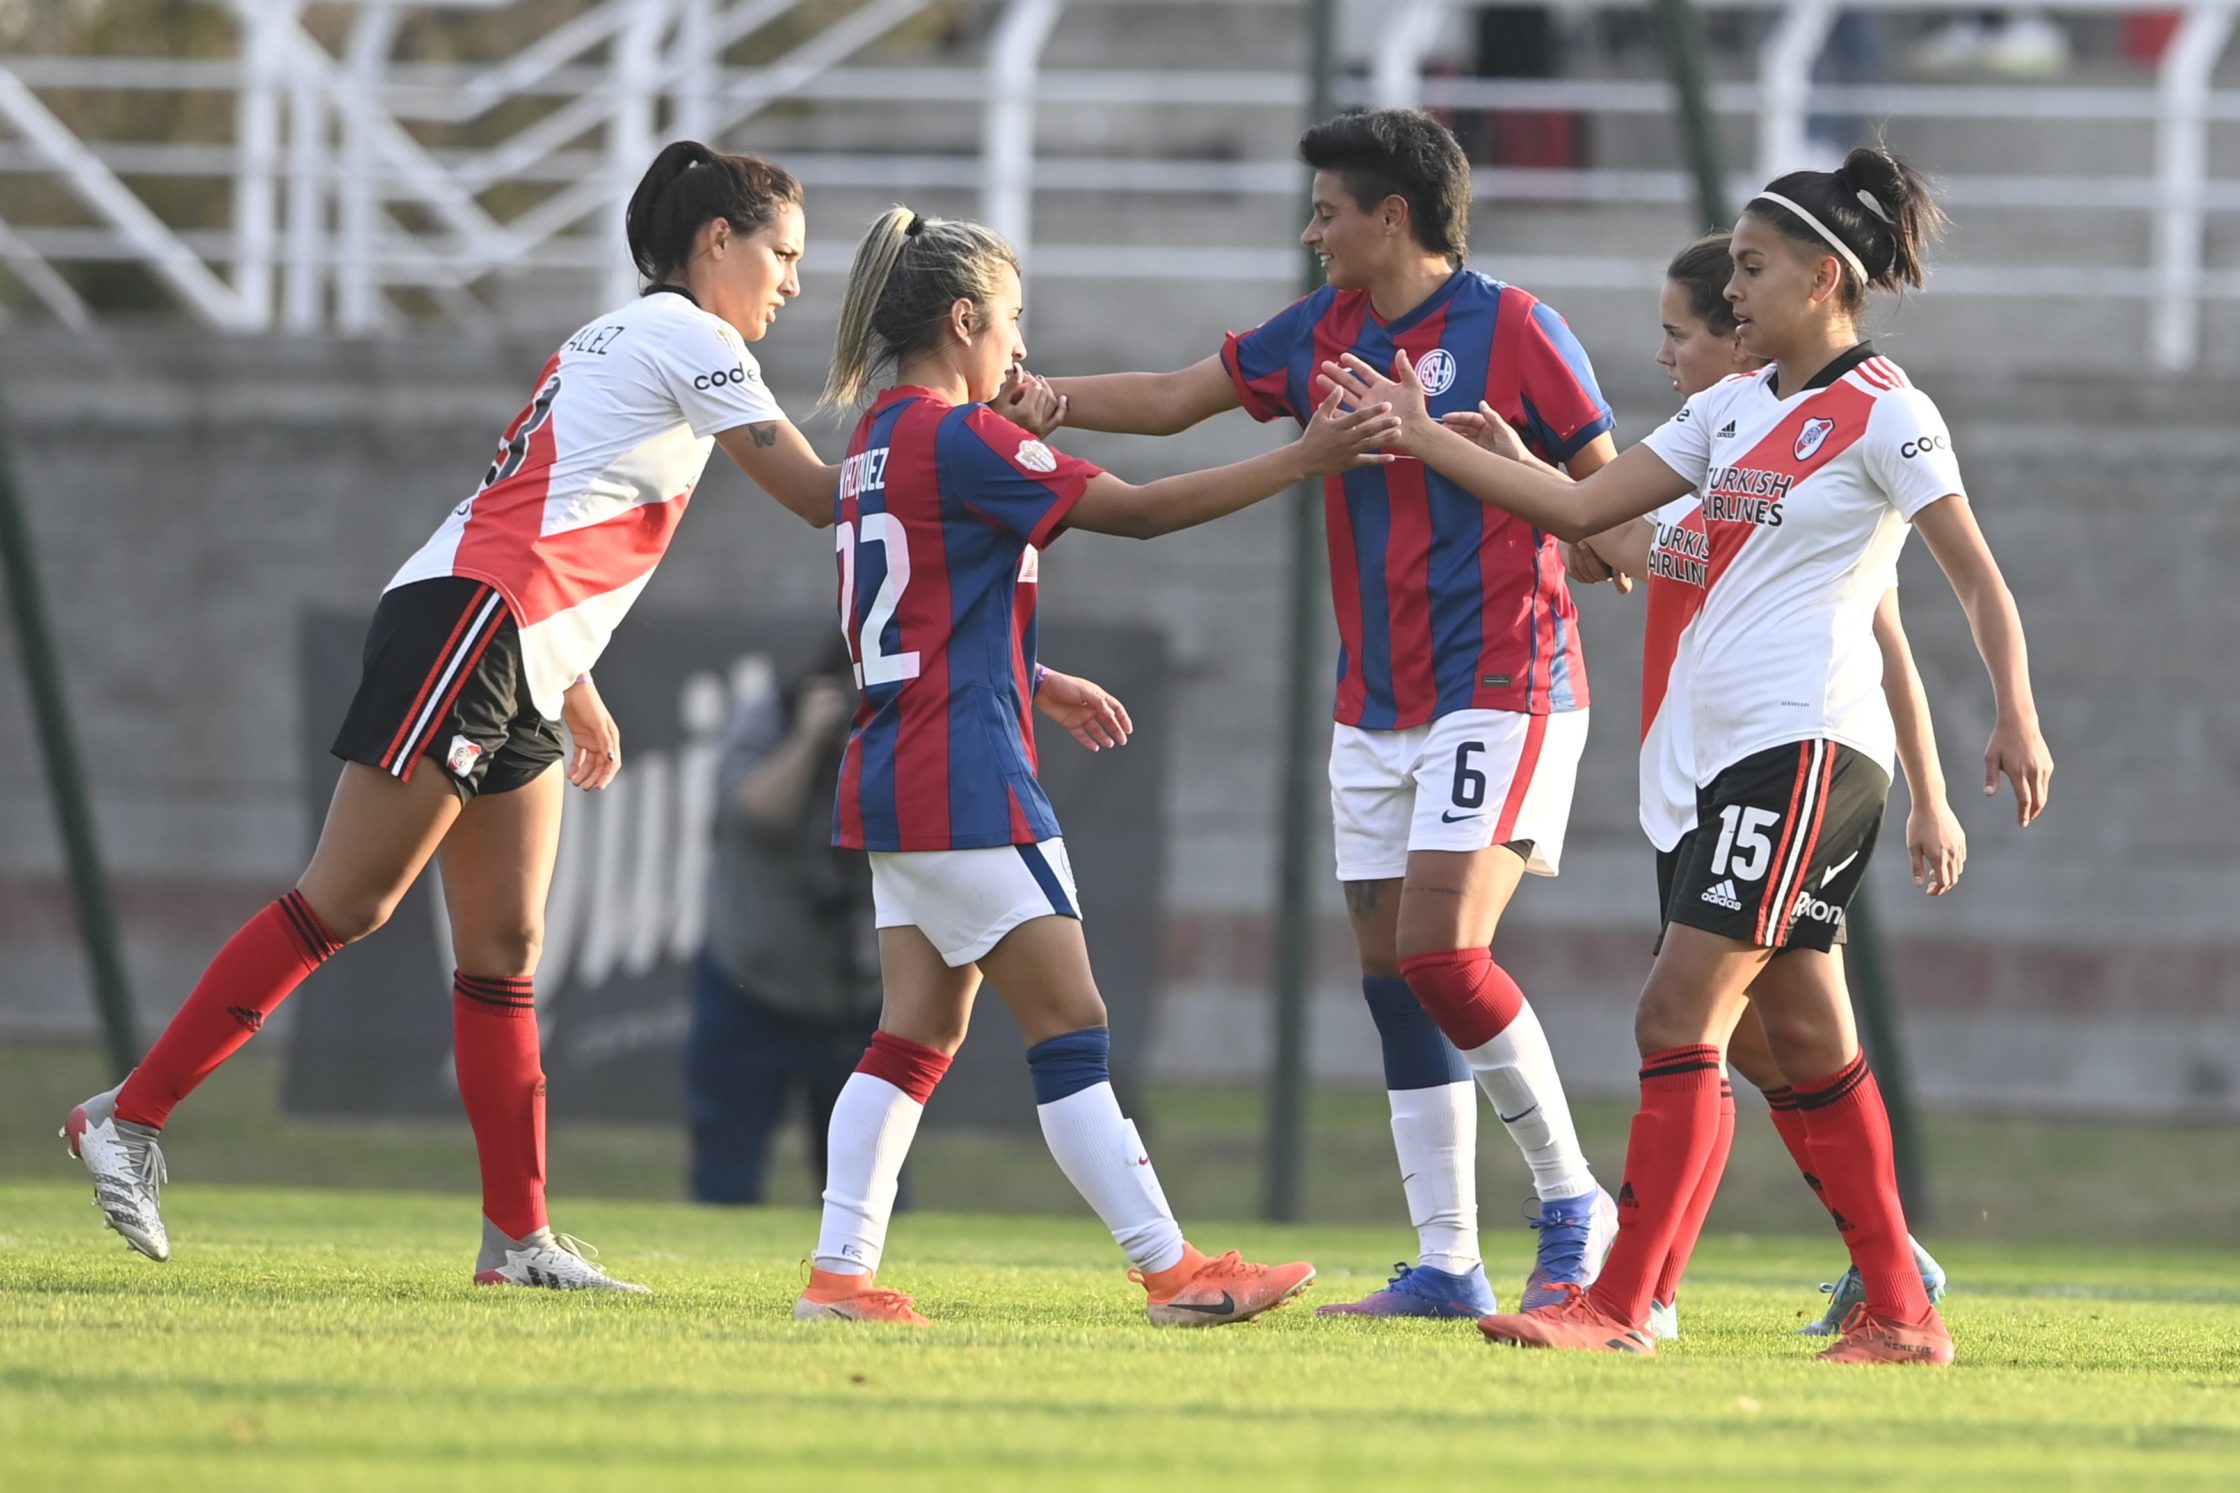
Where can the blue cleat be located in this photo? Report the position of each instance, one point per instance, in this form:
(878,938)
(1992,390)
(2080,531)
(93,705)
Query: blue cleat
(1420,1291)
(1848,1291)
(1575,1238)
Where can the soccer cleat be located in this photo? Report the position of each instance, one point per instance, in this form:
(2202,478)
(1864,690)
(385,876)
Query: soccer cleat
(1868,1338)
(852,1298)
(555,1262)
(126,1161)
(1421,1291)
(1848,1291)
(1571,1321)
(1664,1321)
(1208,1291)
(1575,1238)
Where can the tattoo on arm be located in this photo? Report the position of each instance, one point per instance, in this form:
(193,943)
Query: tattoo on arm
(765,434)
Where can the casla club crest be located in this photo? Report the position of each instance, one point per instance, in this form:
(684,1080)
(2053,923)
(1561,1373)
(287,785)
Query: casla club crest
(1809,439)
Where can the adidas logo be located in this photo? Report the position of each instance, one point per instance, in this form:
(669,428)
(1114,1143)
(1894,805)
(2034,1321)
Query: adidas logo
(1726,432)
(1626,1198)
(250,1017)
(1723,895)
(1843,1225)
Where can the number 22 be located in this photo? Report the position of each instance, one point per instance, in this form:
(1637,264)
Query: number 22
(872,666)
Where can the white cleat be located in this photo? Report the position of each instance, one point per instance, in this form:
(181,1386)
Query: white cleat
(128,1172)
(555,1262)
(1664,1321)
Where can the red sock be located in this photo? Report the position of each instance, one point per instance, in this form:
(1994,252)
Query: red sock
(1699,1203)
(1788,1122)
(1671,1140)
(1849,1131)
(1472,999)
(249,978)
(501,1081)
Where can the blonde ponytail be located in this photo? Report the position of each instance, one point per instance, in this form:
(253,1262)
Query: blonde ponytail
(909,271)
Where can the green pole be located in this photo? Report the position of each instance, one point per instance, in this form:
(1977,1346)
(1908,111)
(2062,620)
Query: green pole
(1301,808)
(66,784)
(1699,132)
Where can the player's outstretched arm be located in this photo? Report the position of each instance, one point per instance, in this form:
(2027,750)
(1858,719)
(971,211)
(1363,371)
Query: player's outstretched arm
(1147,403)
(1619,555)
(1935,842)
(779,459)
(2017,748)
(1634,484)
(1333,441)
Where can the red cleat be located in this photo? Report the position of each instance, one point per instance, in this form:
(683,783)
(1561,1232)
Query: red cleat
(1210,1291)
(1868,1338)
(852,1298)
(1573,1322)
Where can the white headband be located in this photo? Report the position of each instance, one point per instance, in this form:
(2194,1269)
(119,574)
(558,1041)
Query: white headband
(1843,250)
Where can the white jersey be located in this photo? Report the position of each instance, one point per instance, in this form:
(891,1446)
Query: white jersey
(1806,499)
(591,479)
(1679,561)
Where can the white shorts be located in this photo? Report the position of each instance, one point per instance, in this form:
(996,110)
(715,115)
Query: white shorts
(1465,781)
(965,901)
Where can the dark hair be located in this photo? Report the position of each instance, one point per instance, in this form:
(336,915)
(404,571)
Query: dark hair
(1703,270)
(1876,204)
(909,271)
(686,186)
(1402,153)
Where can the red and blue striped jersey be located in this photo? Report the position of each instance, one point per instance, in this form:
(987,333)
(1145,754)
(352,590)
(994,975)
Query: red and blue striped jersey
(1443,602)
(941,516)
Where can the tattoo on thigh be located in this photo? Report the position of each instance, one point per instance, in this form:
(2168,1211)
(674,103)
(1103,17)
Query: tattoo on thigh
(1362,898)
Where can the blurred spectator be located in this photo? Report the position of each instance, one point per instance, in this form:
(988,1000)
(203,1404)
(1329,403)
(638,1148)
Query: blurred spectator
(1852,55)
(2020,42)
(786,994)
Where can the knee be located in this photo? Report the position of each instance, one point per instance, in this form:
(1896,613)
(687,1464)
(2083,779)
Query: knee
(348,919)
(1668,1016)
(499,953)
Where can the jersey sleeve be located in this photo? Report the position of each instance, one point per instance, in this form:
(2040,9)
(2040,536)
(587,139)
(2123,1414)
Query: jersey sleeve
(1003,475)
(1260,361)
(1684,441)
(1909,451)
(1562,402)
(706,368)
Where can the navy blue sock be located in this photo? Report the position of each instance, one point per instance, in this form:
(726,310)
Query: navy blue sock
(1417,1055)
(1064,1066)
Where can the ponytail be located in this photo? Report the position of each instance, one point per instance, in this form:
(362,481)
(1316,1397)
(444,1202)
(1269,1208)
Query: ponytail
(687,186)
(909,272)
(1874,212)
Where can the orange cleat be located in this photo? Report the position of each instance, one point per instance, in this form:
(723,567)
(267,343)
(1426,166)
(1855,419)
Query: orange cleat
(1573,1322)
(1868,1338)
(1203,1291)
(852,1298)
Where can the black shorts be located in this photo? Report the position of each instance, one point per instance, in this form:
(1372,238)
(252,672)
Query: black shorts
(1669,863)
(1782,842)
(443,680)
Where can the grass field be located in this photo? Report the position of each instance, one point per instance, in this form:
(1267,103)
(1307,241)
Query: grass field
(328,1340)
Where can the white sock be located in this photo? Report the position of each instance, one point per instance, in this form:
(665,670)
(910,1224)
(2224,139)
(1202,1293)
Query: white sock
(1435,1132)
(1097,1148)
(873,1123)
(1518,1074)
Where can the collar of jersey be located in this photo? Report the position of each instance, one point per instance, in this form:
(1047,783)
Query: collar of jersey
(652,290)
(1842,364)
(1431,303)
(890,397)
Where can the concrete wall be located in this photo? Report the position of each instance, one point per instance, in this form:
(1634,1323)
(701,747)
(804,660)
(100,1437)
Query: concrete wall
(191,497)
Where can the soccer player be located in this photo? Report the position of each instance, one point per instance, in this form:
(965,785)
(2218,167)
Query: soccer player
(1699,346)
(480,648)
(1810,471)
(944,507)
(1461,692)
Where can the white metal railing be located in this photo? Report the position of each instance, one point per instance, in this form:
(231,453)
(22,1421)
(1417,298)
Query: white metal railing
(338,201)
